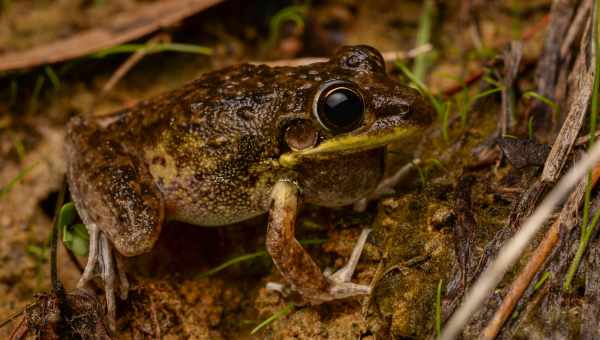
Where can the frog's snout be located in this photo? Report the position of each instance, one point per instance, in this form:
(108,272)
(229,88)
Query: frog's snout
(401,103)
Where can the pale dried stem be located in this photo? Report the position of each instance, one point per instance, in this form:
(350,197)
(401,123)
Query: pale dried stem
(583,74)
(387,56)
(513,249)
(544,249)
(132,61)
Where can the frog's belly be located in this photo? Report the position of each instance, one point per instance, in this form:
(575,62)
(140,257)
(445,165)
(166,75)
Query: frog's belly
(211,198)
(212,204)
(192,215)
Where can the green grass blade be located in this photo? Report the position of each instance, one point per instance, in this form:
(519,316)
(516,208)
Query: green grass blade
(486,93)
(438,309)
(54,80)
(445,121)
(551,104)
(583,243)
(541,281)
(14,92)
(530,128)
(9,186)
(277,315)
(37,89)
(155,48)
(233,261)
(250,256)
(422,61)
(294,13)
(438,105)
(19,148)
(182,48)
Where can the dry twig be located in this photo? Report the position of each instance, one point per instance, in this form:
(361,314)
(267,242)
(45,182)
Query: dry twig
(515,246)
(389,57)
(544,249)
(512,59)
(583,75)
(122,28)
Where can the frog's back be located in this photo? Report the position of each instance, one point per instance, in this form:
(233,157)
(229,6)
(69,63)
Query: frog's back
(210,146)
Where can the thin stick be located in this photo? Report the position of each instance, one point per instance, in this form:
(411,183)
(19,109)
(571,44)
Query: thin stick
(154,316)
(11,318)
(538,258)
(20,331)
(387,56)
(56,284)
(131,62)
(73,259)
(513,249)
(575,27)
(580,99)
(522,282)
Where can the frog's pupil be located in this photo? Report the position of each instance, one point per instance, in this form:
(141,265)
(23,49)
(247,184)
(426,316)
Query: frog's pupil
(342,109)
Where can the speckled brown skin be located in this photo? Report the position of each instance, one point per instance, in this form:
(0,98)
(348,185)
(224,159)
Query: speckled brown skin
(208,153)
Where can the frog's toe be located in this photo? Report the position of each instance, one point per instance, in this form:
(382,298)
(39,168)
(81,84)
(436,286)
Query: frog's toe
(345,273)
(342,290)
(340,286)
(108,274)
(88,272)
(103,261)
(280,288)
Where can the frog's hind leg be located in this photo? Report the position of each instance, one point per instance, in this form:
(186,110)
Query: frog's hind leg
(116,198)
(102,258)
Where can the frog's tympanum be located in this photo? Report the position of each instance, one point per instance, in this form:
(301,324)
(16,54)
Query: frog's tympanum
(234,144)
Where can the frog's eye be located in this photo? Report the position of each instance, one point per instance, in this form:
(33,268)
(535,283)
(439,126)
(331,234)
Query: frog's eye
(339,106)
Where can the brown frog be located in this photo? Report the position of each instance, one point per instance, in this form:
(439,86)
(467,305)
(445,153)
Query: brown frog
(234,144)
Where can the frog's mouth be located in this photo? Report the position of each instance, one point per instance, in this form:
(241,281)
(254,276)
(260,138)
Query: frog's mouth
(348,143)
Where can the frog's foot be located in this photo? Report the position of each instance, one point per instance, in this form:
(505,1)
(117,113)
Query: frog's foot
(295,264)
(386,186)
(102,260)
(341,286)
(280,288)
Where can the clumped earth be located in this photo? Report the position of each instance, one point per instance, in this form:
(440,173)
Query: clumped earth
(417,233)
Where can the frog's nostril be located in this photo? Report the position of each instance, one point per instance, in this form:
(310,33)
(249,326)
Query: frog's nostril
(402,109)
(393,108)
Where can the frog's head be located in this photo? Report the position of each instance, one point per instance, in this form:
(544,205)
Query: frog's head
(358,108)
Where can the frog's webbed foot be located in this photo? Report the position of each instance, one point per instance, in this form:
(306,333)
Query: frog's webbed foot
(295,264)
(108,265)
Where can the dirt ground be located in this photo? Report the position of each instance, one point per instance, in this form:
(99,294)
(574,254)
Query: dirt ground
(412,244)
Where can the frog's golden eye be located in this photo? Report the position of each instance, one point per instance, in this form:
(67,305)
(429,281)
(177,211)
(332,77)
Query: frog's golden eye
(339,106)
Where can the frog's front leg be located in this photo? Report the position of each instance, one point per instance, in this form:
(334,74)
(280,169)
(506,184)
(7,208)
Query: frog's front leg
(294,263)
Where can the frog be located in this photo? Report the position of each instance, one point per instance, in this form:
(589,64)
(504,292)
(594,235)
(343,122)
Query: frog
(236,143)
